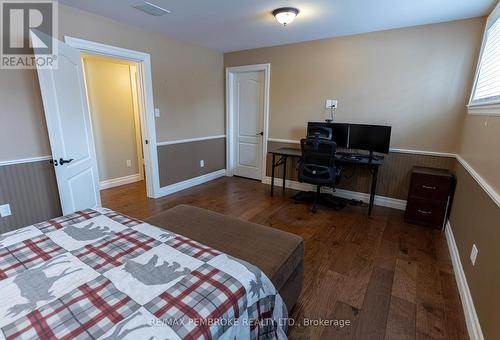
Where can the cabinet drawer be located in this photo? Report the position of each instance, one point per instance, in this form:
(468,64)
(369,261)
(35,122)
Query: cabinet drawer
(430,187)
(426,212)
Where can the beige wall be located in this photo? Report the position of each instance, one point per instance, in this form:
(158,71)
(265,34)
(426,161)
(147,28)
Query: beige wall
(187,85)
(480,147)
(480,140)
(23,133)
(109,88)
(415,79)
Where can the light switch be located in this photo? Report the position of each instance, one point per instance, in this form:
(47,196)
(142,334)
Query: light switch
(129,163)
(157,112)
(5,210)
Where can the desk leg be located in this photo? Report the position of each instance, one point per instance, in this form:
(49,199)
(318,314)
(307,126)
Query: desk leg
(272,174)
(284,171)
(374,187)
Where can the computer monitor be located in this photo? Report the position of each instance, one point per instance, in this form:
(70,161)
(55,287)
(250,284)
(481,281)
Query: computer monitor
(340,134)
(336,132)
(374,138)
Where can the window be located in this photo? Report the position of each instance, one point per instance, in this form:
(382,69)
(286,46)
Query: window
(485,98)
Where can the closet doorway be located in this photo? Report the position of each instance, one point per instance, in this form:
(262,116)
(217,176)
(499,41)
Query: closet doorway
(114,104)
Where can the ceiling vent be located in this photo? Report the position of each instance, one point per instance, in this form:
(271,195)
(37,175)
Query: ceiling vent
(152,9)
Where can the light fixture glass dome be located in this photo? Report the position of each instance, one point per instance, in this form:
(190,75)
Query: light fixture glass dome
(285,15)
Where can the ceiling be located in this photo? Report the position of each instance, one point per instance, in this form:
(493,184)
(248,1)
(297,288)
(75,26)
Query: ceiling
(231,25)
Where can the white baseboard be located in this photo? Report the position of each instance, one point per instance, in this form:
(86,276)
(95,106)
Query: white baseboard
(471,319)
(116,182)
(170,189)
(379,200)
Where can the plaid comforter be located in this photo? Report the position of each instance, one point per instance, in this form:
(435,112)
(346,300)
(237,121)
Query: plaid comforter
(101,275)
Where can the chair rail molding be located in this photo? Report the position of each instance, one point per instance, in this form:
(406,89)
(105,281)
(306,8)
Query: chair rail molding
(494,195)
(190,140)
(26,160)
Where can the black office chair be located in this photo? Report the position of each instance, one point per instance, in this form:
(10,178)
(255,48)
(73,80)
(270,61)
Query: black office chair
(321,132)
(317,167)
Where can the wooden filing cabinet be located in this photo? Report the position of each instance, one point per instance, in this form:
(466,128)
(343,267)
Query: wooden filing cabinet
(430,196)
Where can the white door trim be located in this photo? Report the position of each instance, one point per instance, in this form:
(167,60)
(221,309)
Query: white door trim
(230,72)
(147,104)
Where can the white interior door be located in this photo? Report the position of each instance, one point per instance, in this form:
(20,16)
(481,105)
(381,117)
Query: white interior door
(70,131)
(248,101)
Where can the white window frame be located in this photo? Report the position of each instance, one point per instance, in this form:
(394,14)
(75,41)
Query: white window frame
(487,108)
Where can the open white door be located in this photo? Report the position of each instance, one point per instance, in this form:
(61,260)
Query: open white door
(70,131)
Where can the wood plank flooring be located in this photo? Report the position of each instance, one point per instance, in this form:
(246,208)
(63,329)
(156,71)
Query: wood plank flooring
(388,279)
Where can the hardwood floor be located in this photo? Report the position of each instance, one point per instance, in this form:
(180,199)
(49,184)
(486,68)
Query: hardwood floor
(388,279)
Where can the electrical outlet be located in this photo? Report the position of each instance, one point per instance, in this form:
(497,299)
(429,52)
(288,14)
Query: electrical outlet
(5,210)
(129,163)
(202,163)
(473,254)
(157,112)
(331,104)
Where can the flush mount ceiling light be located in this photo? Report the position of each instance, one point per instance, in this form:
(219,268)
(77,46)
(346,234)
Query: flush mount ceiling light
(285,15)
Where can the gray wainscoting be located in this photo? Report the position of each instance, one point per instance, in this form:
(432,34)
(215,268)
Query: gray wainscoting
(179,162)
(31,190)
(393,178)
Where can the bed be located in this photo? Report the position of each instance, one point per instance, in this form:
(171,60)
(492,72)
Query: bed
(102,275)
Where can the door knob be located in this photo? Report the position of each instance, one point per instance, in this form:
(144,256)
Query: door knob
(260,133)
(64,161)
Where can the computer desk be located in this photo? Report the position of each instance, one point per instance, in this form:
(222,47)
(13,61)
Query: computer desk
(285,153)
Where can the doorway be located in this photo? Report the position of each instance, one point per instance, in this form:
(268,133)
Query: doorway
(247,94)
(114,98)
(145,99)
(69,125)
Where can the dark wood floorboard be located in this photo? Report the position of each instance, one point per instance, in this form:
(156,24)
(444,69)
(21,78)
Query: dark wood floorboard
(390,279)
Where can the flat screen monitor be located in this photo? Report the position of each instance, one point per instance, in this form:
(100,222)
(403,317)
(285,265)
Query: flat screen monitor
(376,138)
(340,134)
(336,132)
